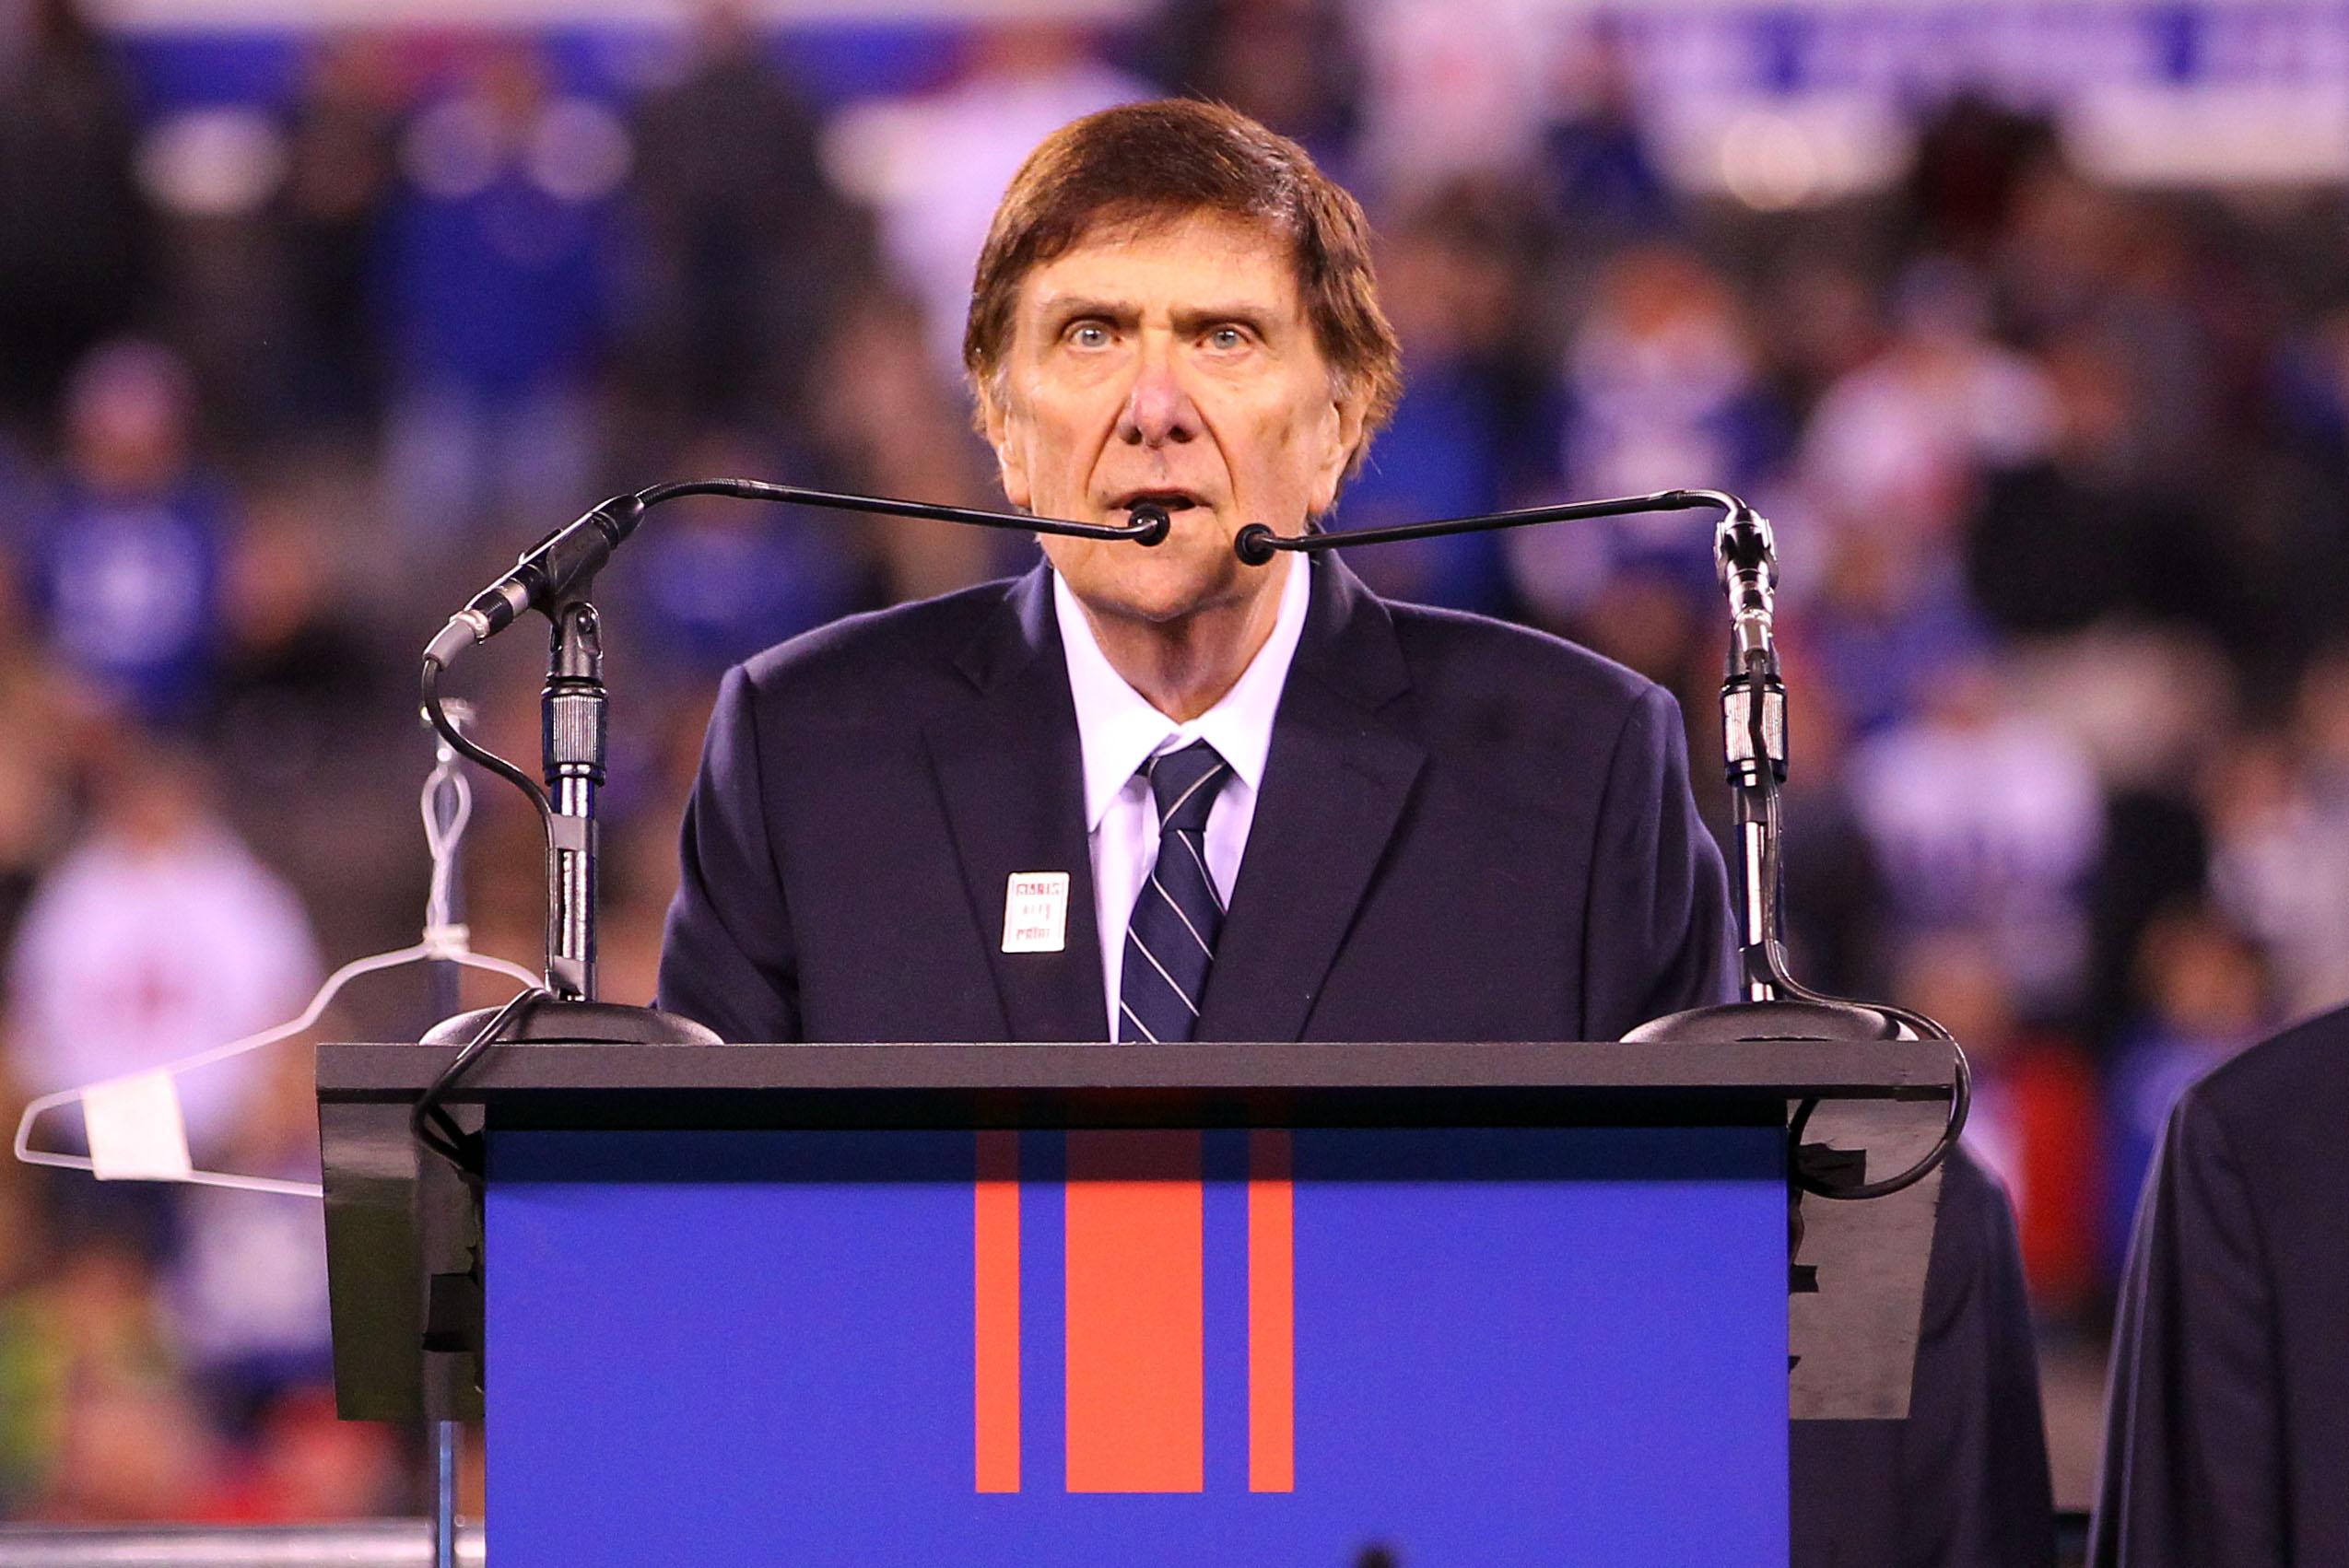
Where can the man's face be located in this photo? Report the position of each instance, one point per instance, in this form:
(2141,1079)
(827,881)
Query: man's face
(1171,362)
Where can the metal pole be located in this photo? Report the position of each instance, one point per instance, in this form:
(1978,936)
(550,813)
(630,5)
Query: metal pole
(573,739)
(447,1443)
(1750,815)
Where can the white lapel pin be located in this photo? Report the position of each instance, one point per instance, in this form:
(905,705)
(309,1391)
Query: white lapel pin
(1035,912)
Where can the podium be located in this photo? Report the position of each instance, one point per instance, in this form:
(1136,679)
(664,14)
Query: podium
(1043,1304)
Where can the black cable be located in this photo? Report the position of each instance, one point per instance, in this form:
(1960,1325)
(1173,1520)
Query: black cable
(428,1121)
(1961,1089)
(465,746)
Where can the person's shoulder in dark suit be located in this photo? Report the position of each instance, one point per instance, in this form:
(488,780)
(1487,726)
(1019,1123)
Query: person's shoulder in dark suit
(860,668)
(2227,1431)
(831,718)
(1564,734)
(1504,688)
(1466,662)
(1554,803)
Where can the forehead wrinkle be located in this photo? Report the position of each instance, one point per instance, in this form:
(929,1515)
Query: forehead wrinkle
(1069,305)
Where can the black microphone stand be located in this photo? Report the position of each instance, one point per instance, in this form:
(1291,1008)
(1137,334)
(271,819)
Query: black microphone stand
(1775,1006)
(574,705)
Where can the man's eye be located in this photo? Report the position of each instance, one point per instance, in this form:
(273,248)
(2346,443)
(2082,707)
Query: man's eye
(1089,334)
(1226,339)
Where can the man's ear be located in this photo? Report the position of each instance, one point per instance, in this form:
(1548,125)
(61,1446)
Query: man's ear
(1011,452)
(1345,419)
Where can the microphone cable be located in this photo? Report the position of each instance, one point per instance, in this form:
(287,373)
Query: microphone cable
(1773,953)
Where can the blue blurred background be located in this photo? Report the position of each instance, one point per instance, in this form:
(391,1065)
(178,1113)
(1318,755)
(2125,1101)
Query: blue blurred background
(2028,324)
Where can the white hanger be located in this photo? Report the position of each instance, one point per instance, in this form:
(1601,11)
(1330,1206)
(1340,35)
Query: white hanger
(443,941)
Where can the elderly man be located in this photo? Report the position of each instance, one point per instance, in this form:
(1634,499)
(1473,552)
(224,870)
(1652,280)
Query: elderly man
(1400,823)
(1155,795)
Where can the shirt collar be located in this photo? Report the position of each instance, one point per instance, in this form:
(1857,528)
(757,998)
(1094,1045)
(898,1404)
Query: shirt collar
(1118,730)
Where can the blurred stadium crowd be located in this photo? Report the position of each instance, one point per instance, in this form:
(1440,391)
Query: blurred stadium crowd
(2056,468)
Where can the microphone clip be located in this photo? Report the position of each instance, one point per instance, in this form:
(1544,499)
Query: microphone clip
(1745,561)
(556,569)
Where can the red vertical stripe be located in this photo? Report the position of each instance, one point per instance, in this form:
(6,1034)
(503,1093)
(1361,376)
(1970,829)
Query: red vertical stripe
(1271,1315)
(1137,1330)
(995,1235)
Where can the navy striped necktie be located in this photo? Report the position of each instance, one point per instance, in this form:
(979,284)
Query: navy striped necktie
(1170,939)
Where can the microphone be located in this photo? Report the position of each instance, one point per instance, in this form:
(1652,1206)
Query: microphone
(546,573)
(1746,556)
(1151,522)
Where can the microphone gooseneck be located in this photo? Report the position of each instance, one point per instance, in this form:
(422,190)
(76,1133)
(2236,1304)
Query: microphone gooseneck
(1256,544)
(561,565)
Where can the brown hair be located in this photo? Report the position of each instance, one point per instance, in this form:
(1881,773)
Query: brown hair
(1145,161)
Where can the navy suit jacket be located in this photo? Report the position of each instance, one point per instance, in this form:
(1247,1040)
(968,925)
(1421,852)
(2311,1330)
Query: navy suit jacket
(2226,1434)
(1467,831)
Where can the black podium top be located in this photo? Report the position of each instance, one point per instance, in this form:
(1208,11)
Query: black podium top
(1049,1086)
(395,1221)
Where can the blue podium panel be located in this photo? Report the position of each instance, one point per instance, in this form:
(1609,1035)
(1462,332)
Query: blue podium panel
(1469,1347)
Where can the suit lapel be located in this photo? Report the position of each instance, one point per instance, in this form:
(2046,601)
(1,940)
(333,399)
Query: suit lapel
(1011,775)
(1336,780)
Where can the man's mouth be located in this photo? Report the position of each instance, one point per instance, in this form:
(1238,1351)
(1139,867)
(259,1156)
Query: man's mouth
(1168,502)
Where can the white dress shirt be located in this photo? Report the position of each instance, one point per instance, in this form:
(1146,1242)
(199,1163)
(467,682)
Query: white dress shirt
(1119,730)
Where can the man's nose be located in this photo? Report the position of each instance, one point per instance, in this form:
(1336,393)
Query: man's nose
(1158,411)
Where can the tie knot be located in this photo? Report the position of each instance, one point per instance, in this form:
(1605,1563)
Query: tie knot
(1185,784)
